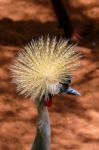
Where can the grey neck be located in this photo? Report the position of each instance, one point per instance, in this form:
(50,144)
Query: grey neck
(42,139)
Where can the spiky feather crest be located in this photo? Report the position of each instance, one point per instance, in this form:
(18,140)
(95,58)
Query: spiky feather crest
(43,65)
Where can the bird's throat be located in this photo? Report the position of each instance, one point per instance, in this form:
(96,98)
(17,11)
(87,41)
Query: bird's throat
(48,101)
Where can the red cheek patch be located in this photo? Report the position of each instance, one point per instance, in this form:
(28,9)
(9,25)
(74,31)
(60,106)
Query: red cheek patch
(48,102)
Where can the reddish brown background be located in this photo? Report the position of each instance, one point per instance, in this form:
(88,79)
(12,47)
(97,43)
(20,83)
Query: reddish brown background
(74,120)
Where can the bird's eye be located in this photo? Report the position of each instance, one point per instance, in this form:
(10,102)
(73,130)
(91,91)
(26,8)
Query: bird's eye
(66,85)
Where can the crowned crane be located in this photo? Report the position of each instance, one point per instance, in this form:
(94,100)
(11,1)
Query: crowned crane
(41,70)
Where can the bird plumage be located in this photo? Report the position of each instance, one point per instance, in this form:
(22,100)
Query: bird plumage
(42,69)
(43,66)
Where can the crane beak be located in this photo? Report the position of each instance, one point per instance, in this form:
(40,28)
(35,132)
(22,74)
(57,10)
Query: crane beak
(69,90)
(73,92)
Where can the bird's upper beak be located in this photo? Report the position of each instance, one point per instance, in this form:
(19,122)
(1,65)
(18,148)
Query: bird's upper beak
(73,92)
(70,90)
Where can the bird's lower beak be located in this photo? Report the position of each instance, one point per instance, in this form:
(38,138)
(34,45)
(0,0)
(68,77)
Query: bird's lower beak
(73,92)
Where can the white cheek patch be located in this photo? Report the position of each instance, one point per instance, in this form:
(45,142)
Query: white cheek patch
(54,88)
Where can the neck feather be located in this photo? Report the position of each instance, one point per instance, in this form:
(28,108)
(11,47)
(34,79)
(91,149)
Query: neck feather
(42,139)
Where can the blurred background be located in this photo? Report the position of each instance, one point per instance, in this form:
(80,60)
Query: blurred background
(74,120)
